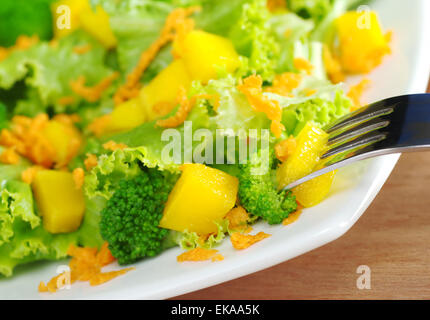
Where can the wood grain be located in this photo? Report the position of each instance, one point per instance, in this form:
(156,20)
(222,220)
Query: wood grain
(392,238)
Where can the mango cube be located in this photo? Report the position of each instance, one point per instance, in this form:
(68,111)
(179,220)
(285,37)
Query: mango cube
(362,41)
(314,191)
(163,89)
(201,198)
(126,116)
(311,142)
(66,16)
(60,203)
(65,139)
(205,54)
(97,24)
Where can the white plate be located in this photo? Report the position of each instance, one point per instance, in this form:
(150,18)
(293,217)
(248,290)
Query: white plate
(405,71)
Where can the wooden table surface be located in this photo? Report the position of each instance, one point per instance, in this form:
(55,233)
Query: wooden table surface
(392,238)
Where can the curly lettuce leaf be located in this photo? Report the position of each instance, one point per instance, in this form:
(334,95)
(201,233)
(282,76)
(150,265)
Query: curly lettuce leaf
(22,237)
(190,240)
(320,111)
(48,69)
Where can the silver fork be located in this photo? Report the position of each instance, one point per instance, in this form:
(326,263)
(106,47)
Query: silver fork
(394,125)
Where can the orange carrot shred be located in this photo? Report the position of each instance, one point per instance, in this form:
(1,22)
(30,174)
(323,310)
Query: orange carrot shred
(356,91)
(92,94)
(199,254)
(252,89)
(9,156)
(177,23)
(242,241)
(82,49)
(284,83)
(90,161)
(237,218)
(85,265)
(78,177)
(112,146)
(285,148)
(292,217)
(303,64)
(29,174)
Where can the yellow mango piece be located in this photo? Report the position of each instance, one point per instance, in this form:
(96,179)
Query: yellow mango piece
(159,96)
(201,197)
(97,24)
(314,191)
(311,142)
(205,54)
(66,16)
(126,116)
(60,203)
(362,41)
(65,139)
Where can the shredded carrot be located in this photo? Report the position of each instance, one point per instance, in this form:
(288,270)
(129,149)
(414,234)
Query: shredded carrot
(237,218)
(284,83)
(333,66)
(42,287)
(23,42)
(98,126)
(200,254)
(112,146)
(163,108)
(242,241)
(252,89)
(85,265)
(310,92)
(303,64)
(9,156)
(274,5)
(90,161)
(78,177)
(28,138)
(177,24)
(67,119)
(356,91)
(103,277)
(82,49)
(292,217)
(66,101)
(104,256)
(92,94)
(29,174)
(185,106)
(53,43)
(285,148)
(182,113)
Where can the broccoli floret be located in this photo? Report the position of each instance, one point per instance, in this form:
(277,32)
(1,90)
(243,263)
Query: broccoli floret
(259,196)
(129,222)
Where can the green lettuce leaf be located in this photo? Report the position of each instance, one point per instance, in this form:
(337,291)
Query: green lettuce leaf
(47,71)
(22,17)
(22,237)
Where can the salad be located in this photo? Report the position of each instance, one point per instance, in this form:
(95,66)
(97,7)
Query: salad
(130,127)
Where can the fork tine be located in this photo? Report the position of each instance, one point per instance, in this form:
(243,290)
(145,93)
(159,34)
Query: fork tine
(347,134)
(359,116)
(353,145)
